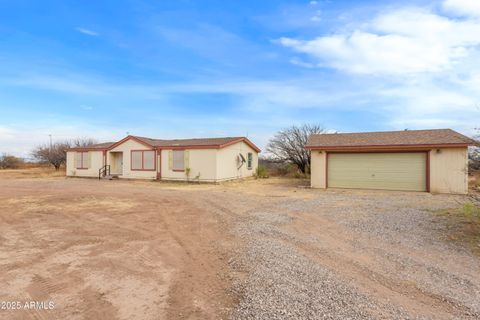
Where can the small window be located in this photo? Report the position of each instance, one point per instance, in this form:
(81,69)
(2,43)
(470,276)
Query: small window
(81,160)
(178,160)
(143,160)
(249,160)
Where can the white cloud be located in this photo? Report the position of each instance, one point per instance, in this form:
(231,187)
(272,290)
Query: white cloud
(61,82)
(19,140)
(301,63)
(462,7)
(87,31)
(415,67)
(405,41)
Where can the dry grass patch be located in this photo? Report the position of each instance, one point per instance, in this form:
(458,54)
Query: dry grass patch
(463,225)
(51,204)
(31,173)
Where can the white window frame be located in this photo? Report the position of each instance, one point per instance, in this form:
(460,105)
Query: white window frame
(250,160)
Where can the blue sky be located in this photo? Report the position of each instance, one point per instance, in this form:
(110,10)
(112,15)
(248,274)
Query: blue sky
(179,69)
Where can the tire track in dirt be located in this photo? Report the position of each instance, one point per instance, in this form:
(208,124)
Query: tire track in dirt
(359,269)
(195,287)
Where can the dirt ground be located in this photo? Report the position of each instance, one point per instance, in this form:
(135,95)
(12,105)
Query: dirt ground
(150,250)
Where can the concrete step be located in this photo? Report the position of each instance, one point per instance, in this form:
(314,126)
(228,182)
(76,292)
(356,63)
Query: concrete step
(110,177)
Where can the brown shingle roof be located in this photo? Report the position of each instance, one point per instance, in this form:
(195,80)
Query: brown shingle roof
(435,137)
(100,146)
(103,145)
(198,142)
(189,142)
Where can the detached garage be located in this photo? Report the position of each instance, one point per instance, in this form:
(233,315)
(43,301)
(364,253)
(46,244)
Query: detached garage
(413,160)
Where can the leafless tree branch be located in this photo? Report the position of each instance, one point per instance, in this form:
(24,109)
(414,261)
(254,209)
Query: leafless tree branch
(289,145)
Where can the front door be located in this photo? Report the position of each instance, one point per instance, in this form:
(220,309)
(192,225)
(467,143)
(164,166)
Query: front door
(117,163)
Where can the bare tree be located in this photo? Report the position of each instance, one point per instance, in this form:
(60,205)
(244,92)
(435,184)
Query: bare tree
(55,153)
(83,142)
(289,145)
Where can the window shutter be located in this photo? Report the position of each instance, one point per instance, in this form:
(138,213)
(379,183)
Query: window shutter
(89,159)
(170,159)
(77,156)
(186,159)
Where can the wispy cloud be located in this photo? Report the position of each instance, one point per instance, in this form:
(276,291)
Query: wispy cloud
(403,41)
(416,67)
(87,31)
(462,7)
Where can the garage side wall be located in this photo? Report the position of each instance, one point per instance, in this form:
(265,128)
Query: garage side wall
(95,163)
(318,169)
(228,165)
(449,170)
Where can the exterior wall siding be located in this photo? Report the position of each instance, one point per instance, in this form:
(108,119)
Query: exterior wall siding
(449,170)
(228,167)
(318,169)
(96,162)
(128,173)
(202,164)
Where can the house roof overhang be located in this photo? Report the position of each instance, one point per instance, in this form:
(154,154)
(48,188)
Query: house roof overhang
(168,147)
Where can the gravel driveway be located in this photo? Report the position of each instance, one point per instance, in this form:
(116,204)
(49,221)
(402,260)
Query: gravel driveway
(353,255)
(264,249)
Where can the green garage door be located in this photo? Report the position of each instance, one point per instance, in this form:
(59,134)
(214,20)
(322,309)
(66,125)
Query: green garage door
(390,171)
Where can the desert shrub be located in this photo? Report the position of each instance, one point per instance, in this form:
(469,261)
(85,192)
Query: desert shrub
(276,168)
(10,162)
(261,172)
(470,210)
(474,159)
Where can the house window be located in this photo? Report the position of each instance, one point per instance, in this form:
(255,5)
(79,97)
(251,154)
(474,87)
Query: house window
(81,160)
(249,160)
(143,160)
(178,160)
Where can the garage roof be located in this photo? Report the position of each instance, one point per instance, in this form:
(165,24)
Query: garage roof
(406,138)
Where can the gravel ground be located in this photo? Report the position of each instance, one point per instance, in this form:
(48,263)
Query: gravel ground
(354,255)
(260,249)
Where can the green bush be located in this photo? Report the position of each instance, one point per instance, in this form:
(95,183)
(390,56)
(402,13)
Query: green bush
(261,172)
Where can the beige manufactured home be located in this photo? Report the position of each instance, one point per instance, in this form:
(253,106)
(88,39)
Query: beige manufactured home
(209,160)
(412,160)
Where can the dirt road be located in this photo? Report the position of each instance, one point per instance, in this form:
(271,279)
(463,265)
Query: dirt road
(246,250)
(107,250)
